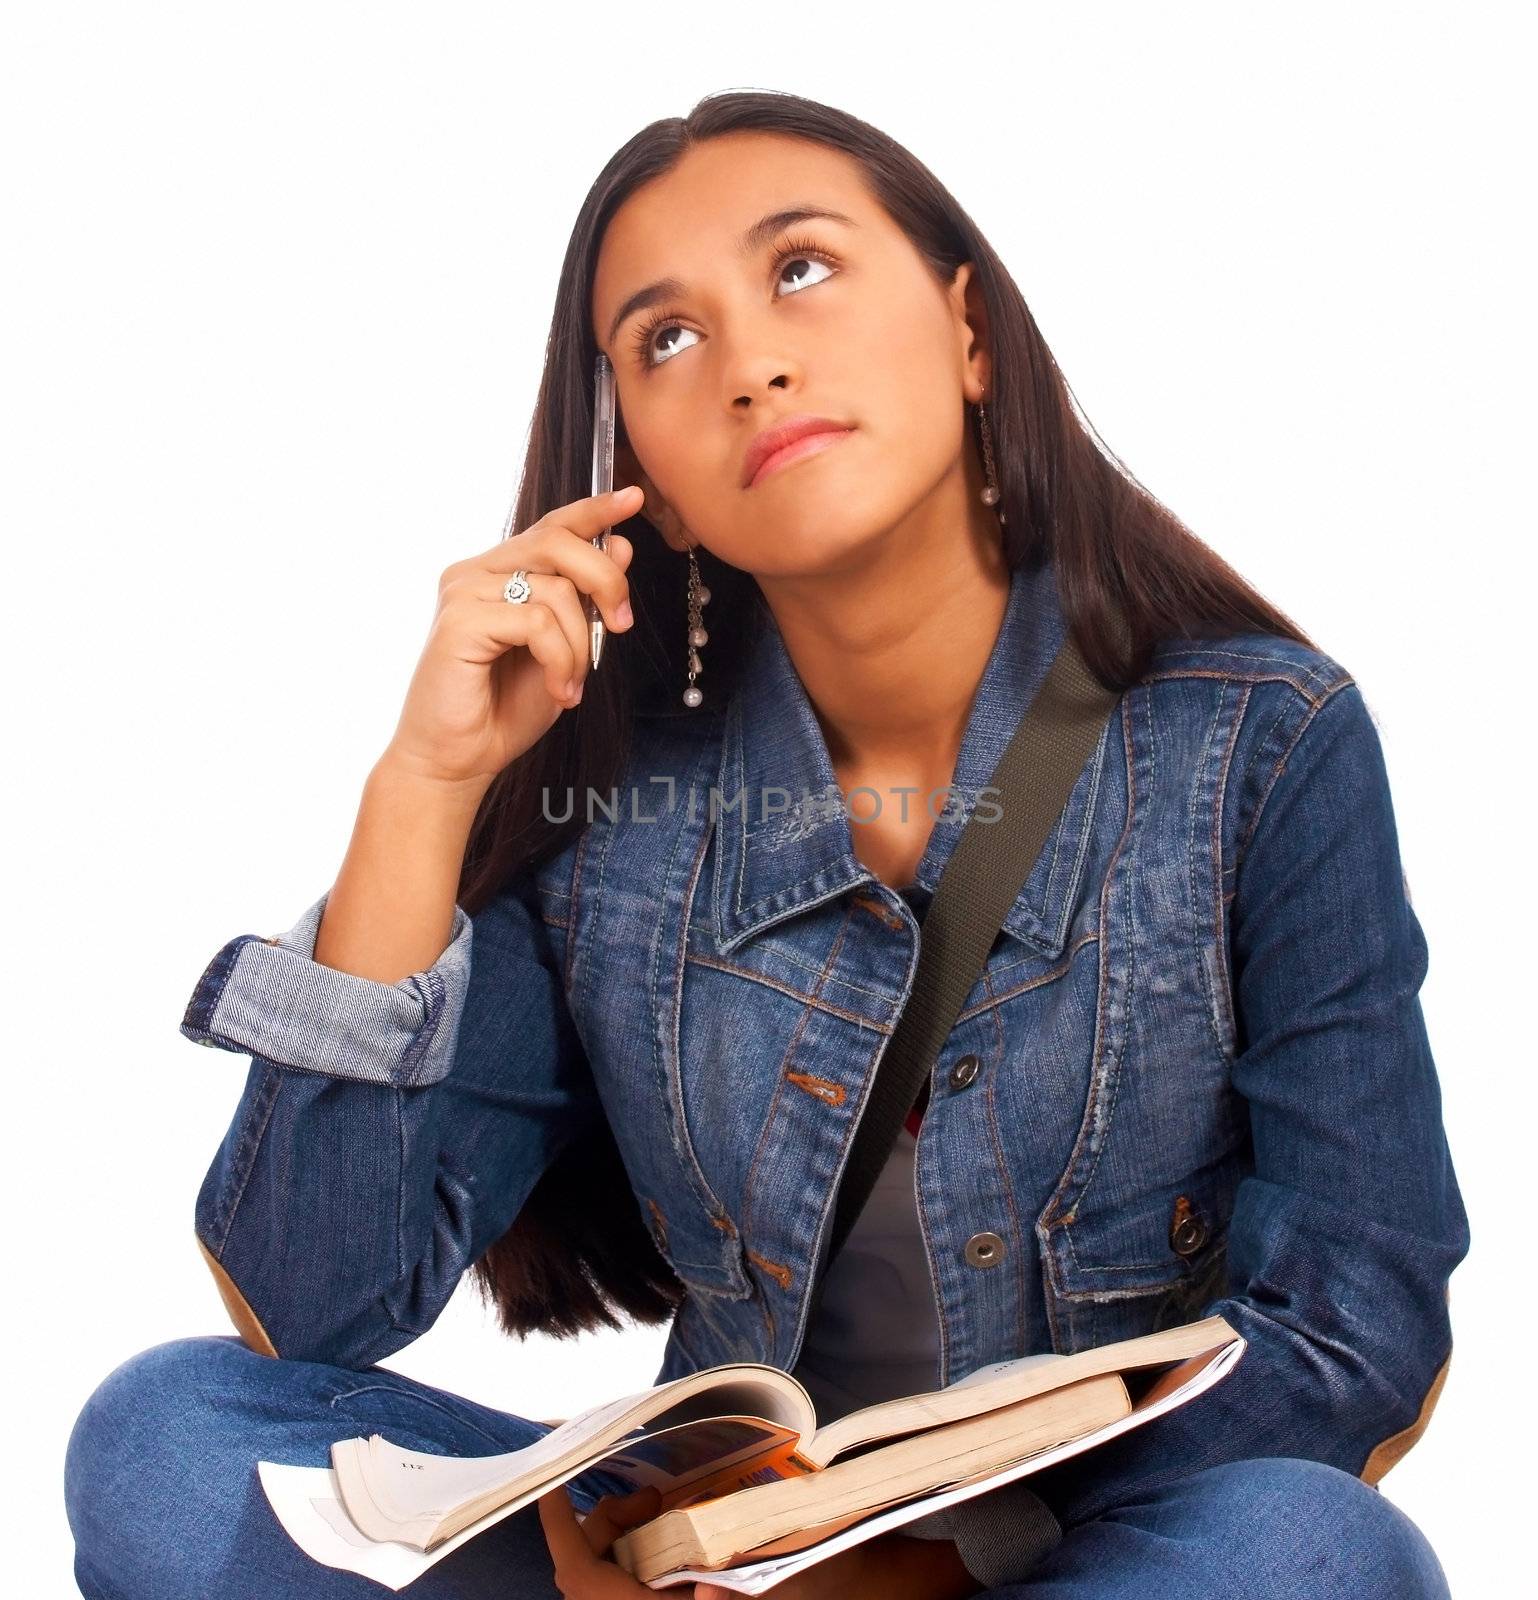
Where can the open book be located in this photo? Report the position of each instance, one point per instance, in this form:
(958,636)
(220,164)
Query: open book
(751,1488)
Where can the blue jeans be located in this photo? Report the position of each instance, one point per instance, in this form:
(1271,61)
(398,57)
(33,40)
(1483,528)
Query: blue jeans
(163,1498)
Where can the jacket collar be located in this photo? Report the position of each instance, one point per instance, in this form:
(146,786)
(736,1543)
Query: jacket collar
(768,867)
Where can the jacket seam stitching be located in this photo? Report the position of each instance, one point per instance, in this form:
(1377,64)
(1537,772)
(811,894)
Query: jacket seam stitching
(1110,1110)
(825,1007)
(749,1190)
(1052,1218)
(669,1061)
(994,999)
(1239,677)
(1220,972)
(1193,818)
(1247,838)
(1315,675)
(1100,1023)
(246,1151)
(793,958)
(991,1112)
(578,864)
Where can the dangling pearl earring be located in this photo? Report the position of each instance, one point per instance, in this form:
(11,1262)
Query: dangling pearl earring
(989,495)
(699,595)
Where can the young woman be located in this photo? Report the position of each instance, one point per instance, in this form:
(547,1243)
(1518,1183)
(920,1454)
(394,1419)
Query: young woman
(609,1056)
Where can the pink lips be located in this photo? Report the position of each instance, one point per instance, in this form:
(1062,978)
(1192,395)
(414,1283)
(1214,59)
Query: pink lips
(809,444)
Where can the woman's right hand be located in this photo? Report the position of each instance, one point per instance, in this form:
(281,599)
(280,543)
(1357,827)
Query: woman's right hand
(492,678)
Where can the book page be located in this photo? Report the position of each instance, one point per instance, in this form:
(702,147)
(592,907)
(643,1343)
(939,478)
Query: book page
(756,1577)
(397,1493)
(742,1390)
(307,1503)
(1003,1369)
(1005,1382)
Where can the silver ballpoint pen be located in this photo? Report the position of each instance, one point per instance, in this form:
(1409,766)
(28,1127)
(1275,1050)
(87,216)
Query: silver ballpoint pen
(603,478)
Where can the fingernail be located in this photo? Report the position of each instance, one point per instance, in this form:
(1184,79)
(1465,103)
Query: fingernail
(623,614)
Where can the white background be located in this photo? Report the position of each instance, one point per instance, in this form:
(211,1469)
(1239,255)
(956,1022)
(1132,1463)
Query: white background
(275,285)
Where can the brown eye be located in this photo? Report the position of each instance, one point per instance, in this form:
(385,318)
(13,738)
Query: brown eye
(803,261)
(646,347)
(798,253)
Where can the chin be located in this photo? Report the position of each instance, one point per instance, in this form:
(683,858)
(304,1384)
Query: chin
(807,544)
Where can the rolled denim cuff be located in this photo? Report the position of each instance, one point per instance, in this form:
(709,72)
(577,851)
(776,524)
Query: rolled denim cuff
(271,998)
(1000,1536)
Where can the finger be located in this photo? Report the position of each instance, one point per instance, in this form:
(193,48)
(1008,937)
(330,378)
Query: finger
(569,1548)
(556,547)
(553,549)
(490,631)
(558,596)
(620,550)
(588,517)
(613,1514)
(502,562)
(599,1529)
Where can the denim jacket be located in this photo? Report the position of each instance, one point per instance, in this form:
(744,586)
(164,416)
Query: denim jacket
(1192,1078)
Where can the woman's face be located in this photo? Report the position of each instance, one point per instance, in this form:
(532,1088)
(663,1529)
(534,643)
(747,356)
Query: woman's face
(836,318)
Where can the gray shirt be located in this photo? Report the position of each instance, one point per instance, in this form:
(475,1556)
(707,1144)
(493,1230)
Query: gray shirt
(875,1333)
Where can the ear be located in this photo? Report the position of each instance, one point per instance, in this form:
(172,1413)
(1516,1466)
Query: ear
(971,317)
(654,509)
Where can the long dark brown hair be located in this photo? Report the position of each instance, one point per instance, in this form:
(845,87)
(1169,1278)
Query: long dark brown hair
(579,1255)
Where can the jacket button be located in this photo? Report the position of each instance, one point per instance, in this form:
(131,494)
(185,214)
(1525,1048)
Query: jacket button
(984,1250)
(965,1072)
(1188,1231)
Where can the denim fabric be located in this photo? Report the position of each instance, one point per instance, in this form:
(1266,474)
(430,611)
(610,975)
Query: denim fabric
(165,1504)
(1205,1083)
(377,1195)
(269,996)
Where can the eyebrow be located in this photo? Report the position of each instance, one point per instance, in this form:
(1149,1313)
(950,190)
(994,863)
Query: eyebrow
(753,239)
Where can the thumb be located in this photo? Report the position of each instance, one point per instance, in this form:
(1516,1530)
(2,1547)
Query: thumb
(615,1513)
(563,1533)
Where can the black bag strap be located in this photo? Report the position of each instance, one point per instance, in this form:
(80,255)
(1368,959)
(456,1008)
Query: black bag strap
(987,868)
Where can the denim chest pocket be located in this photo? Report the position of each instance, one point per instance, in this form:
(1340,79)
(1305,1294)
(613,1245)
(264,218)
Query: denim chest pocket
(629,1023)
(687,1222)
(1148,1245)
(1120,1272)
(700,1242)
(1108,1279)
